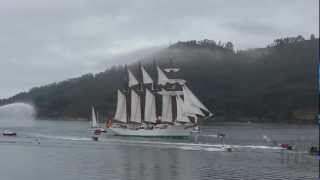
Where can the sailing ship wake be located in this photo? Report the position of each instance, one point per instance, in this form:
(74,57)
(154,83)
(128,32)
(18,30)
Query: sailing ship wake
(165,108)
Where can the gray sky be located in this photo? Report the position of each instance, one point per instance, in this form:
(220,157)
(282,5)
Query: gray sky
(44,41)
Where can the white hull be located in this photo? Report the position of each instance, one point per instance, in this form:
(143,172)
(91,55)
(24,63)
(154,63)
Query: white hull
(173,131)
(97,129)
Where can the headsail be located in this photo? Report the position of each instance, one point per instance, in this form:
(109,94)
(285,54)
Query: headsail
(190,110)
(166,109)
(94,123)
(146,77)
(121,112)
(132,80)
(162,77)
(150,108)
(193,100)
(135,107)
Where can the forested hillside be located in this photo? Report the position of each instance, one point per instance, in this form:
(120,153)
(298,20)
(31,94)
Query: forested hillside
(275,83)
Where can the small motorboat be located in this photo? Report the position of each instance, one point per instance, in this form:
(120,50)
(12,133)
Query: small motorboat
(287,146)
(97,129)
(9,133)
(97,132)
(95,138)
(314,150)
(221,135)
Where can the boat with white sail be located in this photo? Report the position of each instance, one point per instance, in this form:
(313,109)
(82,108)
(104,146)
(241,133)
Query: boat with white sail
(94,124)
(162,108)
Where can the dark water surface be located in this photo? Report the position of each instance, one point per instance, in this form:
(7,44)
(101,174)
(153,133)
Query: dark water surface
(63,150)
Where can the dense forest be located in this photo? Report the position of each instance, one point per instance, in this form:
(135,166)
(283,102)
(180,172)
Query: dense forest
(275,83)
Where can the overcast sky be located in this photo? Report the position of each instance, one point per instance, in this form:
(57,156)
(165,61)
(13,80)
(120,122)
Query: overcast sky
(43,41)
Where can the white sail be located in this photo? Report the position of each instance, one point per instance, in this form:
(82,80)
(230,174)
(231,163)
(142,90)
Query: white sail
(166,114)
(162,77)
(135,107)
(193,100)
(189,108)
(132,80)
(94,123)
(150,108)
(146,77)
(121,112)
(181,115)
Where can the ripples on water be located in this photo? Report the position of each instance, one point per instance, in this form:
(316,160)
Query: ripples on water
(64,150)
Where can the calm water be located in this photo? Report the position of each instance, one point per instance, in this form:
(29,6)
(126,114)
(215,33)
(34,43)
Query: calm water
(54,150)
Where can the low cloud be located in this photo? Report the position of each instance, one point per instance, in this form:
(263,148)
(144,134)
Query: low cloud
(45,41)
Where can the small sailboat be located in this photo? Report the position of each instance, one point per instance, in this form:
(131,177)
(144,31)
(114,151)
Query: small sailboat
(137,107)
(94,124)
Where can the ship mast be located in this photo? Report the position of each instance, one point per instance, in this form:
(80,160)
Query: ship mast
(127,93)
(139,101)
(172,71)
(149,110)
(141,92)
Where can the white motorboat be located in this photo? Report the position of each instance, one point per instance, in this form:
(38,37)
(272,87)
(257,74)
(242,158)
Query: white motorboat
(9,133)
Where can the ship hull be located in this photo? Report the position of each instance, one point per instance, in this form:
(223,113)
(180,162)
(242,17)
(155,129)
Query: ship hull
(97,129)
(173,131)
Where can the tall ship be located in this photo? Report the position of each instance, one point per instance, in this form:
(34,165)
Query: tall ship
(162,108)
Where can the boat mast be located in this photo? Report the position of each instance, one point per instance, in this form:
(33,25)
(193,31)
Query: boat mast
(173,88)
(140,77)
(155,89)
(154,84)
(127,93)
(141,94)
(173,98)
(170,95)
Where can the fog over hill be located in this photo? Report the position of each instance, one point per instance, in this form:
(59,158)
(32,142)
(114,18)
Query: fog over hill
(275,83)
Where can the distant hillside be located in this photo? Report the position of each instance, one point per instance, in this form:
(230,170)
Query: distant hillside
(273,83)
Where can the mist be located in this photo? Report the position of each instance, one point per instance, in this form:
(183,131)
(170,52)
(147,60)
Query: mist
(16,115)
(49,41)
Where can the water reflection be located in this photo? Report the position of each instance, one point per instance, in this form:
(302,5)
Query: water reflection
(67,152)
(149,163)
